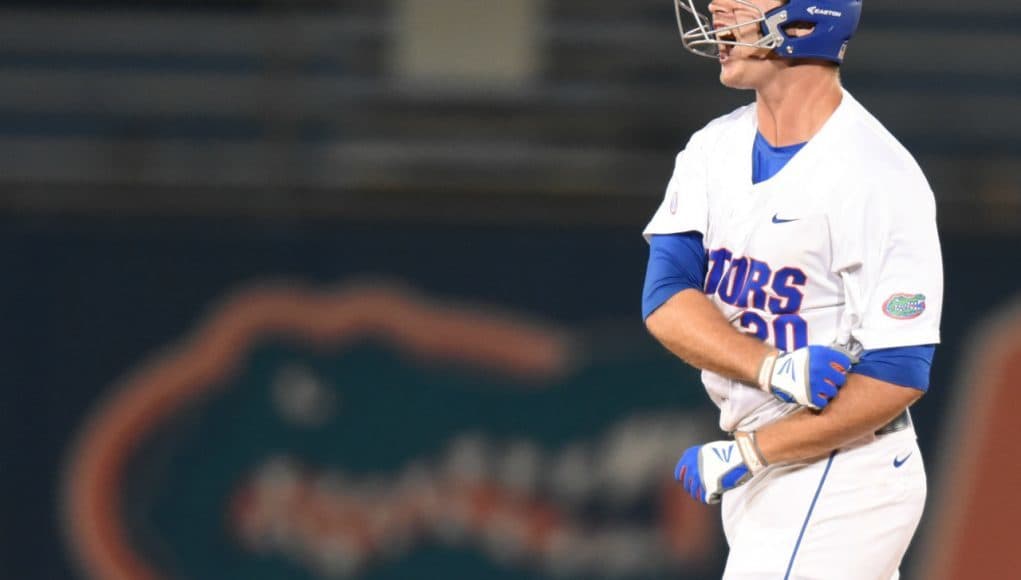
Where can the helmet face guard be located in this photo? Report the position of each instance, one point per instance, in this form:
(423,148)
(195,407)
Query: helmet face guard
(832,24)
(701,38)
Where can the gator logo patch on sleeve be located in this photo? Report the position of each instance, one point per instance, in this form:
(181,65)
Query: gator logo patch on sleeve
(904,306)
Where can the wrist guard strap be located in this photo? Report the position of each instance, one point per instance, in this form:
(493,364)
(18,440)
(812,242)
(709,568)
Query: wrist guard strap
(750,451)
(766,372)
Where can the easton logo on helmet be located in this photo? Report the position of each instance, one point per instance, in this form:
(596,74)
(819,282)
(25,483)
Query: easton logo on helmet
(904,306)
(816,11)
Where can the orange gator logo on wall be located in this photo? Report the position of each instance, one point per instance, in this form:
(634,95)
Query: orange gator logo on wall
(462,426)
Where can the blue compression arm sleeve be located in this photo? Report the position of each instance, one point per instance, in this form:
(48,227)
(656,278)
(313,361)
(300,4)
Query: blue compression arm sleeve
(676,262)
(906,366)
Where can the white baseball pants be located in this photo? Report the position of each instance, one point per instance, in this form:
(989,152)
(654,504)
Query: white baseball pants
(849,516)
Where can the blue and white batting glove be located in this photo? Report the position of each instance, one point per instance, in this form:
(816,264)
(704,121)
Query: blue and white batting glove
(806,376)
(706,471)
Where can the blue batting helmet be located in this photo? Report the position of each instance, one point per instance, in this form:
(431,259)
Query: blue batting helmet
(832,24)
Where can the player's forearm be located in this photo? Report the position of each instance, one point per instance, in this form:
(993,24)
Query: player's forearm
(863,406)
(692,328)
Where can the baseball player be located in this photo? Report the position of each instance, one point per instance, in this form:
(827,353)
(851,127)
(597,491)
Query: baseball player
(795,260)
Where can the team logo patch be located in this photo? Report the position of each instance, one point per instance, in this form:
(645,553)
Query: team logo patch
(904,306)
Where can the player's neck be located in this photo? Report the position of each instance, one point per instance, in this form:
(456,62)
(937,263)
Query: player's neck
(798,101)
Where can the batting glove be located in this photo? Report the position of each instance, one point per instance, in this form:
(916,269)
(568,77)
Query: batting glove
(707,471)
(806,376)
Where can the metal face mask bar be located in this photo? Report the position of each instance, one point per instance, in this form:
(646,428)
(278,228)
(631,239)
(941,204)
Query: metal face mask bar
(704,40)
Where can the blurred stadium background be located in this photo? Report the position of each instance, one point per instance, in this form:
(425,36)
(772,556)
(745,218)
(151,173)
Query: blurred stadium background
(350,288)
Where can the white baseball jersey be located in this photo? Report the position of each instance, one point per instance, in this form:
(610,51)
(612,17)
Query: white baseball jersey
(839,247)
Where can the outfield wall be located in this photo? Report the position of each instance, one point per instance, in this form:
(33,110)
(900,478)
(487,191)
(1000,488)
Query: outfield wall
(280,399)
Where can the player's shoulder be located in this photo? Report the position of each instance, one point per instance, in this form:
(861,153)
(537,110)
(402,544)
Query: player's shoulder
(870,149)
(879,171)
(723,128)
(739,117)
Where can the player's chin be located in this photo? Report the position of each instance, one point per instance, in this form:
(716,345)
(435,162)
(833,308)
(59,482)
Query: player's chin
(727,81)
(731,77)
(741,73)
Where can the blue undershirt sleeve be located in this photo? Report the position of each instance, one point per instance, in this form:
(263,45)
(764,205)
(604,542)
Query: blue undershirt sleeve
(906,366)
(676,262)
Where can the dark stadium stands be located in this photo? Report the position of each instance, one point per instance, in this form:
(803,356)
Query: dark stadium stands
(294,107)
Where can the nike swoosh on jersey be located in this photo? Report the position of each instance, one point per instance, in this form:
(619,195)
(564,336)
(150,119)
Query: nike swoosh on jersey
(898,462)
(777,220)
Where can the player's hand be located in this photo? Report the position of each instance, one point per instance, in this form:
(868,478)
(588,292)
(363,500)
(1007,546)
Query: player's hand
(709,470)
(809,376)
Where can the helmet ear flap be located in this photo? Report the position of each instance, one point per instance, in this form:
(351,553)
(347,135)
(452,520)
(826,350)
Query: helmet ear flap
(815,29)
